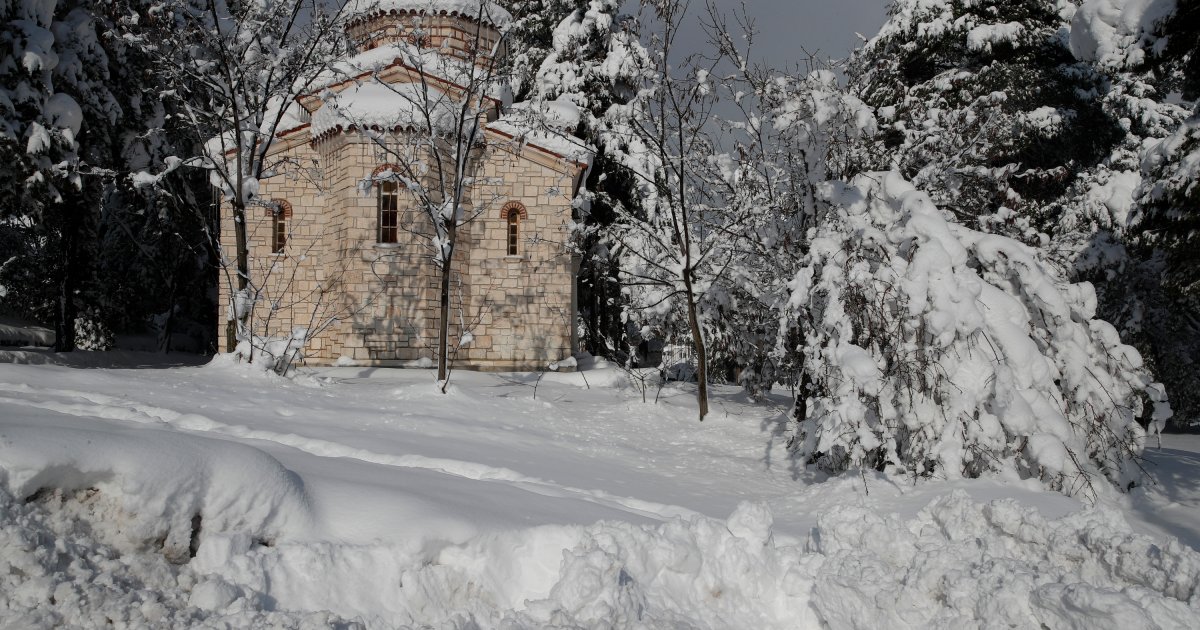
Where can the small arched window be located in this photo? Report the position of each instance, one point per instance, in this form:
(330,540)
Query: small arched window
(279,211)
(389,212)
(513,232)
(387,204)
(513,213)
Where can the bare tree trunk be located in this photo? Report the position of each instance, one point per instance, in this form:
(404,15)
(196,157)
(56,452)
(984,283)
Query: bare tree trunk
(444,305)
(243,270)
(698,343)
(65,314)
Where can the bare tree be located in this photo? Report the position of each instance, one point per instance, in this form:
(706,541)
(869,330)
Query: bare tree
(237,69)
(686,237)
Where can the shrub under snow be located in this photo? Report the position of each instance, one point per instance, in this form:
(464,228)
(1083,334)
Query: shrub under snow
(951,352)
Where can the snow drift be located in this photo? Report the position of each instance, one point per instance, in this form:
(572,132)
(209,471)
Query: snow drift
(168,487)
(959,563)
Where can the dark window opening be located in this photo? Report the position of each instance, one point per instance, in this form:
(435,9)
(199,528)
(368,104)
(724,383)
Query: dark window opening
(389,212)
(279,211)
(279,235)
(514,218)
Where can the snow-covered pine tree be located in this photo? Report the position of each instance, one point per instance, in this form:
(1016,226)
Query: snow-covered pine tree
(591,65)
(54,106)
(1135,251)
(532,35)
(1171,195)
(935,349)
(982,105)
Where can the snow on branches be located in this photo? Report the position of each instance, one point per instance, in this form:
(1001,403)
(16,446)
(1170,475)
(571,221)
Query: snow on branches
(940,350)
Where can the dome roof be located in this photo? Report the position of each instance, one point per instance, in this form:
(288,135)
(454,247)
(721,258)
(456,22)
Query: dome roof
(484,11)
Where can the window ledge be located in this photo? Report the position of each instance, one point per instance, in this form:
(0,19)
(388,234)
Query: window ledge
(517,258)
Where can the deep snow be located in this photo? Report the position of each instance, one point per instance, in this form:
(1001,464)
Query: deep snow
(219,496)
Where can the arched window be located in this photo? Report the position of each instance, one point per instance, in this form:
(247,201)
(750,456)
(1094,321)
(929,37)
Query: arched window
(513,213)
(279,211)
(513,232)
(388,204)
(389,212)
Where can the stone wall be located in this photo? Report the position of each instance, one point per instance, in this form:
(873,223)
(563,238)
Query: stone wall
(289,283)
(377,303)
(524,304)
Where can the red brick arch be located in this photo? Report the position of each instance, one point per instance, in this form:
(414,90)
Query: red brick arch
(279,207)
(395,168)
(510,207)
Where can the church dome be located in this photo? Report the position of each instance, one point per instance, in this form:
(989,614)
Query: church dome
(465,28)
(483,11)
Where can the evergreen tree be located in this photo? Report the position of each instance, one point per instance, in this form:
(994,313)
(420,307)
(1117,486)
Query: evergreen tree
(592,66)
(1167,284)
(531,37)
(53,71)
(984,107)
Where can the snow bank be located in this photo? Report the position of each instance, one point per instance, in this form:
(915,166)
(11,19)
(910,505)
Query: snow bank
(15,333)
(171,487)
(66,561)
(959,563)
(962,564)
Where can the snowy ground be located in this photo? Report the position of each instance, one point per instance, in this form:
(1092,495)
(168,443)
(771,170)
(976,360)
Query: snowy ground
(217,496)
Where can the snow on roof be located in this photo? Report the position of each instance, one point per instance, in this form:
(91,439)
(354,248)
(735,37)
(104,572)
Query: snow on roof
(478,10)
(559,114)
(547,126)
(428,61)
(386,106)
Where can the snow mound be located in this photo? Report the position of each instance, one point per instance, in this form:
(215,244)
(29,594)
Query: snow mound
(959,563)
(64,562)
(172,487)
(15,333)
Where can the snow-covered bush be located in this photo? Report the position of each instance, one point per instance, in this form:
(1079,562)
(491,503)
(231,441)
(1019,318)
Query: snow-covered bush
(91,333)
(276,353)
(941,350)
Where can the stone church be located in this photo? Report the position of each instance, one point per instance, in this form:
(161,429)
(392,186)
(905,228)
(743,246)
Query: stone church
(340,252)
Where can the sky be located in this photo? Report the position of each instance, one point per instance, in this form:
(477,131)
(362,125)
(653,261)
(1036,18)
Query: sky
(788,28)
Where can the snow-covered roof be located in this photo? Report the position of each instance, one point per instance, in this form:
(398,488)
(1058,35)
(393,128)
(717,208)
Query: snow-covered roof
(385,106)
(560,114)
(484,11)
(430,62)
(546,126)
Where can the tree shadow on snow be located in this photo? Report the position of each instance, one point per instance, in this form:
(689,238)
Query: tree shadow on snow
(1175,478)
(110,360)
